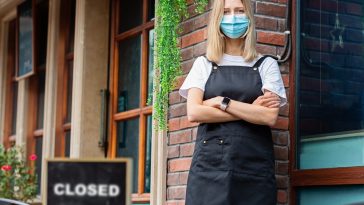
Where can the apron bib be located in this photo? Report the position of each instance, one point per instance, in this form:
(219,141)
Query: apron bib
(233,162)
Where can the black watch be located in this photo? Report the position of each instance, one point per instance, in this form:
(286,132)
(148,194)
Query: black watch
(224,103)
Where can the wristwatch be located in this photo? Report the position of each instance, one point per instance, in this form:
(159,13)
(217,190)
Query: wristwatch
(224,103)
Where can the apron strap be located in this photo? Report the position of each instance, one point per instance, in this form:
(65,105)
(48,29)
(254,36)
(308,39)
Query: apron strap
(260,61)
(213,63)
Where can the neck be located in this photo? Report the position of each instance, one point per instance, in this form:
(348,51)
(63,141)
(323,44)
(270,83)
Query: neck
(233,46)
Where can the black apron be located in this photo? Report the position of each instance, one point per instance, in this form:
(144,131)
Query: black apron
(233,162)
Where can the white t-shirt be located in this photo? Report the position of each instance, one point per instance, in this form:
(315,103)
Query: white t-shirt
(268,70)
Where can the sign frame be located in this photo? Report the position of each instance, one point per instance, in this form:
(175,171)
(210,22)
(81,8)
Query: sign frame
(129,174)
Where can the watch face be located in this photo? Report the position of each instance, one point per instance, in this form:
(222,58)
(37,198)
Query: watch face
(225,100)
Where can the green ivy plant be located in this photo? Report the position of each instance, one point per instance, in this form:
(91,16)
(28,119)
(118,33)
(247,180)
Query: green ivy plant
(169,14)
(17,180)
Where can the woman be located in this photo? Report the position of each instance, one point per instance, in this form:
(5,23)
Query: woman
(235,94)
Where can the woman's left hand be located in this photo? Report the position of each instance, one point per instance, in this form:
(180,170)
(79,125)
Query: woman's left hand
(213,102)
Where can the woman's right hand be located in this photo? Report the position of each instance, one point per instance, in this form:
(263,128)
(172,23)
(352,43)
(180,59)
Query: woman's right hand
(269,99)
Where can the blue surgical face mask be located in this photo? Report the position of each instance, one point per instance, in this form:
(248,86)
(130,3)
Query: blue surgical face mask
(234,26)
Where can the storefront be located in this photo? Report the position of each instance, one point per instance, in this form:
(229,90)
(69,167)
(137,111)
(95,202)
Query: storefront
(76,76)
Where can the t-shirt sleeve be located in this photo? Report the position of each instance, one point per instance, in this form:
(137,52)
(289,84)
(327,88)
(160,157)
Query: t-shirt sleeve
(195,78)
(272,80)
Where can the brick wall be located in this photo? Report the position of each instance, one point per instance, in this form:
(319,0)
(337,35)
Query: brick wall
(270,25)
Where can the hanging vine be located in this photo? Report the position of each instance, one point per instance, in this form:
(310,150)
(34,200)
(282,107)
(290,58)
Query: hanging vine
(169,14)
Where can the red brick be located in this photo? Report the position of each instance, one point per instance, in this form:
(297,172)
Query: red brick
(194,38)
(266,23)
(285,78)
(177,110)
(173,124)
(282,196)
(280,137)
(281,153)
(201,20)
(181,164)
(281,25)
(179,137)
(271,38)
(270,9)
(173,152)
(266,49)
(183,177)
(179,81)
(174,97)
(184,123)
(172,179)
(176,192)
(284,68)
(187,149)
(187,53)
(199,49)
(282,168)
(284,111)
(282,123)
(282,181)
(187,26)
(187,65)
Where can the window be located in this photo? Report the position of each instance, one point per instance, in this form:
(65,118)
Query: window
(65,77)
(37,85)
(329,97)
(11,88)
(131,85)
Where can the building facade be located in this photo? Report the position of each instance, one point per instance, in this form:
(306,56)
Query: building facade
(76,76)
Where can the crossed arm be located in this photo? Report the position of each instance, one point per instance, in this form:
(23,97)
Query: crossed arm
(264,110)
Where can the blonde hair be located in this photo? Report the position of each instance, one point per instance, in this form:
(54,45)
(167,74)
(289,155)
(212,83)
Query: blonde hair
(215,39)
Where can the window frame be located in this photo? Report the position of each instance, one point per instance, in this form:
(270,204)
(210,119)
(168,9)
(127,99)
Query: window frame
(65,56)
(143,110)
(310,177)
(10,80)
(34,133)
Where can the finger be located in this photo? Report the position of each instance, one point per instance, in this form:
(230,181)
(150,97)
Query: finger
(276,105)
(271,103)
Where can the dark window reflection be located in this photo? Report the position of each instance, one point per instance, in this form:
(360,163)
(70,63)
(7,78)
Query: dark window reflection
(129,73)
(128,145)
(130,14)
(331,79)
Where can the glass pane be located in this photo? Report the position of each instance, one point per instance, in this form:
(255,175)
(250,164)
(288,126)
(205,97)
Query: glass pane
(69,91)
(128,145)
(40,103)
(38,162)
(41,32)
(130,14)
(15,107)
(67,144)
(331,88)
(335,195)
(151,10)
(71,35)
(129,73)
(150,66)
(148,154)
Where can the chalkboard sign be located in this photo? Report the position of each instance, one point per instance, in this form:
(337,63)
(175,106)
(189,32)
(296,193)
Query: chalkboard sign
(25,57)
(88,182)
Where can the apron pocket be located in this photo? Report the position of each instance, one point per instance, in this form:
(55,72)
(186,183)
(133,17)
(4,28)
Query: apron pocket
(211,152)
(251,155)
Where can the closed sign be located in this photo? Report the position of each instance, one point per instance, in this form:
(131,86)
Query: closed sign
(83,181)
